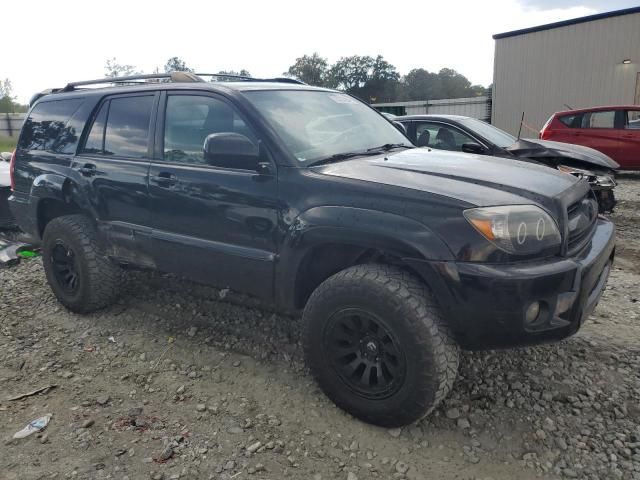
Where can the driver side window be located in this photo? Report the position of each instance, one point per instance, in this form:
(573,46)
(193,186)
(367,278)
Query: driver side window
(189,119)
(441,136)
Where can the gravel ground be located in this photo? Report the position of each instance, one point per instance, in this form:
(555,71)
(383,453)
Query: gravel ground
(183,381)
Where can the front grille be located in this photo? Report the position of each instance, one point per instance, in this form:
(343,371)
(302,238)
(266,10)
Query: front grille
(581,217)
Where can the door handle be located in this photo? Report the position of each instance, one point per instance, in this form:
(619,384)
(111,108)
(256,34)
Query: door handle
(164,179)
(87,170)
(627,135)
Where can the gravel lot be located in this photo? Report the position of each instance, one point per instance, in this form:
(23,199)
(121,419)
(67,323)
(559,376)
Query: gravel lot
(182,381)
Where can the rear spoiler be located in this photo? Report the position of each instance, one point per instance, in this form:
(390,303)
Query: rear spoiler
(41,94)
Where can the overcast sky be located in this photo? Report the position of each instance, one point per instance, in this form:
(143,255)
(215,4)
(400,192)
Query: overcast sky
(48,44)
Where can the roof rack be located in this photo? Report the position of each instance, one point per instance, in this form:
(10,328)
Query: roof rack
(172,77)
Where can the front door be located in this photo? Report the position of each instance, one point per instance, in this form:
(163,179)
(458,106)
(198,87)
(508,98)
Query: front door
(214,222)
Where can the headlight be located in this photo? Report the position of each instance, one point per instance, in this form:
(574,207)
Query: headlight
(576,172)
(516,229)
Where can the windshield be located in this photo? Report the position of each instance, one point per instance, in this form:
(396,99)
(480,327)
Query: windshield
(317,125)
(496,136)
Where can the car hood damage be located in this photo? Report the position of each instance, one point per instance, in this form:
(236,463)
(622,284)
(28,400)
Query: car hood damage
(477,180)
(544,149)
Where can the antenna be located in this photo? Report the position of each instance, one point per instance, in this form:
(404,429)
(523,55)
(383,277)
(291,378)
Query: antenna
(521,122)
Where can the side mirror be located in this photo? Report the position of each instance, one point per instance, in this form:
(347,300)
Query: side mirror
(6,156)
(400,127)
(473,148)
(231,150)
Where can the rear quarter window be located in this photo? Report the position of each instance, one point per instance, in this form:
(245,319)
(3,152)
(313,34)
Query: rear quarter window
(50,127)
(571,121)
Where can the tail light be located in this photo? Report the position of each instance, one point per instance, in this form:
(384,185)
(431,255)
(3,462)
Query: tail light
(12,171)
(543,133)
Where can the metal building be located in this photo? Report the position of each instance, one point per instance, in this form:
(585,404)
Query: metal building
(579,63)
(477,107)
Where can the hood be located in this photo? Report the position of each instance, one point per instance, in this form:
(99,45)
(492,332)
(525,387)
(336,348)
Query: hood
(538,149)
(5,181)
(477,180)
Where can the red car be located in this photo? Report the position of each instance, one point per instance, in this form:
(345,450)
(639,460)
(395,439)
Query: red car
(615,131)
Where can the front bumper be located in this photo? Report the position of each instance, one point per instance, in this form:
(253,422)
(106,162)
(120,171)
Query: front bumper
(485,304)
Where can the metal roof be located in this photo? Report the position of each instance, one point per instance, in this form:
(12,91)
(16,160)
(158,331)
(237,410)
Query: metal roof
(564,23)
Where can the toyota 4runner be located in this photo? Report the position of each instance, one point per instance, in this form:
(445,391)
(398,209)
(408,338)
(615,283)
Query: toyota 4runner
(312,201)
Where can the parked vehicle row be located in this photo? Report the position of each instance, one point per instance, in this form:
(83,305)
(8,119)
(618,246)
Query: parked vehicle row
(466,134)
(308,199)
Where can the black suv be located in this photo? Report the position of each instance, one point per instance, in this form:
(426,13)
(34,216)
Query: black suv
(314,202)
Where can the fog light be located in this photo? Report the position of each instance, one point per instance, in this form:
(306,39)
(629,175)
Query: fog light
(532,312)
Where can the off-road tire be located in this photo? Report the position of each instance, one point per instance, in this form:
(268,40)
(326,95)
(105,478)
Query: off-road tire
(98,277)
(411,314)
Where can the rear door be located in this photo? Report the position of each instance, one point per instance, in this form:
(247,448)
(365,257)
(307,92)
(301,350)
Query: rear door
(215,223)
(600,129)
(629,156)
(114,161)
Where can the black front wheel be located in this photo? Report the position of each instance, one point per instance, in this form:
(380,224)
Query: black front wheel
(377,345)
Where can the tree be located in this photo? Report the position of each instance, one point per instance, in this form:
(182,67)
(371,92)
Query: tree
(371,79)
(454,84)
(420,84)
(7,99)
(6,89)
(242,73)
(311,69)
(114,69)
(176,64)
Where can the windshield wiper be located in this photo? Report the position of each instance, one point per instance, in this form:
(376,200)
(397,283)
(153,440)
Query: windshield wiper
(388,146)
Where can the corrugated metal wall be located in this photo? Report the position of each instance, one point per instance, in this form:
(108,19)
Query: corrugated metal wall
(475,107)
(578,65)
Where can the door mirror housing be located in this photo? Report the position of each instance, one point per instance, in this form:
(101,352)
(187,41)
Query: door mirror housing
(6,156)
(473,148)
(231,150)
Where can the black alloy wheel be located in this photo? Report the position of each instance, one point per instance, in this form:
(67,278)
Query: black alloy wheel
(65,269)
(364,353)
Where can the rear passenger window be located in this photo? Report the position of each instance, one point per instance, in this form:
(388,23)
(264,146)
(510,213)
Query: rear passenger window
(50,127)
(605,119)
(121,128)
(189,119)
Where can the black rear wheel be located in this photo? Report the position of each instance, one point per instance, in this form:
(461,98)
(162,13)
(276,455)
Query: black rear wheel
(80,275)
(377,345)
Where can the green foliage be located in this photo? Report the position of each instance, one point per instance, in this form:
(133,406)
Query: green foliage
(241,73)
(176,64)
(7,99)
(371,79)
(114,69)
(376,80)
(7,144)
(311,69)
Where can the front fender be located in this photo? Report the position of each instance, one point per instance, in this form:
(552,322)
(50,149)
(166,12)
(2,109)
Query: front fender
(369,229)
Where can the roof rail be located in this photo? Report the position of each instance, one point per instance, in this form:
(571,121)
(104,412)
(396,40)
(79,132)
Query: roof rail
(171,77)
(252,79)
